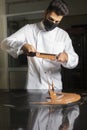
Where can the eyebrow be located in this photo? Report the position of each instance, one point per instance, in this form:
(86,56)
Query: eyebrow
(53,19)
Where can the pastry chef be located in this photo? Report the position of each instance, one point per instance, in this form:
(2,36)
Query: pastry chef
(45,37)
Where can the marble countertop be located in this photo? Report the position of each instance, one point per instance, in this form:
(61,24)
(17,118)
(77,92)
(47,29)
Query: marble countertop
(18,113)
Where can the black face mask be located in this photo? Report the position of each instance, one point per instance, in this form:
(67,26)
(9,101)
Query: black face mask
(49,25)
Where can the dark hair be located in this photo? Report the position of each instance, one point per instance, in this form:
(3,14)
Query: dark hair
(59,7)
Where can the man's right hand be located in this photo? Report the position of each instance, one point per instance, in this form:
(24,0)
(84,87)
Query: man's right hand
(28,48)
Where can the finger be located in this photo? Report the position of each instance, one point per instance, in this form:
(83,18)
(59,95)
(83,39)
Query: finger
(61,58)
(31,49)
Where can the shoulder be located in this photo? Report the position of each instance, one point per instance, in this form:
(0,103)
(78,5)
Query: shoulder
(62,35)
(31,26)
(62,31)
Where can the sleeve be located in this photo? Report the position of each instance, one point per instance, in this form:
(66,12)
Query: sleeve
(72,56)
(73,114)
(14,43)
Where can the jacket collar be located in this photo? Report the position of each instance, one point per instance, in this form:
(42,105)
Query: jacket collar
(41,26)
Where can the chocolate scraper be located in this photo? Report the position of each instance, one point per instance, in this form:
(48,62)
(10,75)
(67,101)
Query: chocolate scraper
(43,55)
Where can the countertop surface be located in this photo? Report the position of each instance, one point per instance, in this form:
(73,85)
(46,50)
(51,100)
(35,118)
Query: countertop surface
(19,112)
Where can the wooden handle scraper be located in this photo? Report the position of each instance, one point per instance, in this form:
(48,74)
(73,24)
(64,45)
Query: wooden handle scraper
(43,55)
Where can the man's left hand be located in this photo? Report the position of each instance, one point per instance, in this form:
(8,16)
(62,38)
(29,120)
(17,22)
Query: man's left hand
(62,57)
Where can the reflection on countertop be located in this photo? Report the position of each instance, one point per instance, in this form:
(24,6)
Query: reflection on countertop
(18,113)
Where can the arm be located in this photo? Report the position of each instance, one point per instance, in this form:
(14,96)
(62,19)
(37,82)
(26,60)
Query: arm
(16,43)
(28,48)
(68,58)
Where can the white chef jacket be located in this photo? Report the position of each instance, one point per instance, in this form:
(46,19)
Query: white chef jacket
(42,71)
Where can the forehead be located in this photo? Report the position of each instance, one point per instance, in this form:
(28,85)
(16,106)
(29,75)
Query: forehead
(54,16)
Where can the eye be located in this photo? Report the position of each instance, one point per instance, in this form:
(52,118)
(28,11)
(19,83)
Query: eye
(51,19)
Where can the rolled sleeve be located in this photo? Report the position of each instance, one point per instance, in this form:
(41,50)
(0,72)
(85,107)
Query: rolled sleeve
(73,57)
(72,61)
(14,43)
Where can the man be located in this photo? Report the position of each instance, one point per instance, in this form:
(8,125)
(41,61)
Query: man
(45,37)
